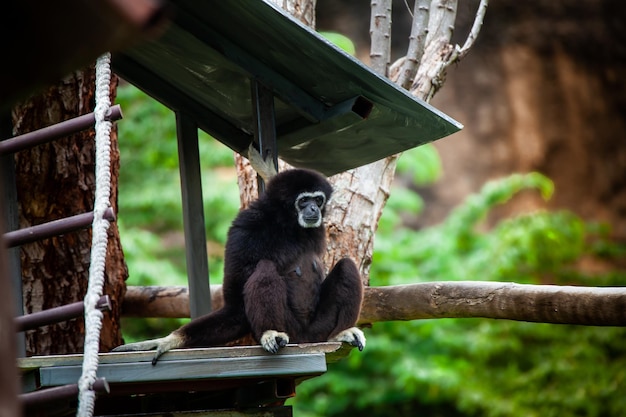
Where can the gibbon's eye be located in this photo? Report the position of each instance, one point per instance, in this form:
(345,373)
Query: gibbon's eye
(319,200)
(303,202)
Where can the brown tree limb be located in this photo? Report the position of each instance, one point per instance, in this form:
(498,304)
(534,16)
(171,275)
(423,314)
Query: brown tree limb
(590,306)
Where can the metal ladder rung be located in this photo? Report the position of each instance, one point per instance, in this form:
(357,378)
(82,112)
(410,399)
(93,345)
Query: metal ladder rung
(38,399)
(53,228)
(55,131)
(57,314)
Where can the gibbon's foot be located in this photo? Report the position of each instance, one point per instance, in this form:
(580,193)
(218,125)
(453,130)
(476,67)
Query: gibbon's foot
(353,335)
(273,340)
(162,345)
(263,166)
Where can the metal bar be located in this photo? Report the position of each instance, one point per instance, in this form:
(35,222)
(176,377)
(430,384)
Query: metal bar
(8,188)
(56,131)
(38,399)
(53,228)
(264,125)
(193,216)
(57,314)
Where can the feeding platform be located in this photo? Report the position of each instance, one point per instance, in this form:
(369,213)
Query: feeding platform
(235,378)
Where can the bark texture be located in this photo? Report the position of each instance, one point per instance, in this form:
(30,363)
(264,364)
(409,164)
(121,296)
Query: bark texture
(56,180)
(604,306)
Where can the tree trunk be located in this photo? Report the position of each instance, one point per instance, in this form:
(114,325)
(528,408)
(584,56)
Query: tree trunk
(56,180)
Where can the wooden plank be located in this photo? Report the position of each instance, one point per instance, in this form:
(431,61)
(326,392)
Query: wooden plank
(35,362)
(192,369)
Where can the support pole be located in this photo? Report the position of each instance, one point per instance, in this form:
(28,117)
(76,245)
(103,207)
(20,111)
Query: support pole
(193,216)
(8,188)
(264,124)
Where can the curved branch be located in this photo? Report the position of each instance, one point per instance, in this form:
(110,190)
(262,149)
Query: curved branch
(476,26)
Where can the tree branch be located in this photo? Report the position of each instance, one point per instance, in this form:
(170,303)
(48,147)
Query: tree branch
(380,34)
(476,26)
(497,300)
(454,54)
(417,40)
(591,306)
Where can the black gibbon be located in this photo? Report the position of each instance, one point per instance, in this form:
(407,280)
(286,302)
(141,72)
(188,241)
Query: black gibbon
(275,286)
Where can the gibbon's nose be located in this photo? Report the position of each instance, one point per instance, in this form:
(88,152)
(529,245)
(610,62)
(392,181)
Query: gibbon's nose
(312,210)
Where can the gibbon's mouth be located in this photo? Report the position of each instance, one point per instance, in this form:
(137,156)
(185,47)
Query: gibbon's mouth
(312,221)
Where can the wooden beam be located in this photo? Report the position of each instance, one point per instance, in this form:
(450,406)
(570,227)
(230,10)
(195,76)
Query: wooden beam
(591,306)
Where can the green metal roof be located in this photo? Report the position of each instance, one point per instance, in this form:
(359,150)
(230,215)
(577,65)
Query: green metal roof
(332,112)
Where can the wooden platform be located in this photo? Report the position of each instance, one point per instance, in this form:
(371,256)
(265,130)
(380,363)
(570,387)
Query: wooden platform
(239,379)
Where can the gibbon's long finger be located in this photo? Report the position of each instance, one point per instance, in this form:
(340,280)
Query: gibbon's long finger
(353,335)
(138,346)
(272,341)
(167,343)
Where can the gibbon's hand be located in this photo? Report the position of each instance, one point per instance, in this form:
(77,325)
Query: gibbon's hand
(162,345)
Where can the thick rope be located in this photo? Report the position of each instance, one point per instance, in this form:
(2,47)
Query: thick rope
(93,316)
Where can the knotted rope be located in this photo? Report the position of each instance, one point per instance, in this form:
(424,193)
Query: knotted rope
(93,316)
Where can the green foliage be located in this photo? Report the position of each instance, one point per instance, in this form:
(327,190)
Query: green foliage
(427,171)
(343,42)
(150,211)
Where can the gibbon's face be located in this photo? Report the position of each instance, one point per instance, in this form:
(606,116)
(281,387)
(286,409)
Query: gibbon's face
(310,207)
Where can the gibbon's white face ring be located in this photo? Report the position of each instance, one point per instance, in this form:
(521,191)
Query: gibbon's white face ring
(303,221)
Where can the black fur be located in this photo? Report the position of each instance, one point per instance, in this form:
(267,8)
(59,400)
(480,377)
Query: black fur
(274,276)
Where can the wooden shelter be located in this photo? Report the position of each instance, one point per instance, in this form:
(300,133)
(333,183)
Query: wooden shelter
(248,74)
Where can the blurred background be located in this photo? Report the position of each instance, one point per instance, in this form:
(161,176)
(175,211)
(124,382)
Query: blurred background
(532,190)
